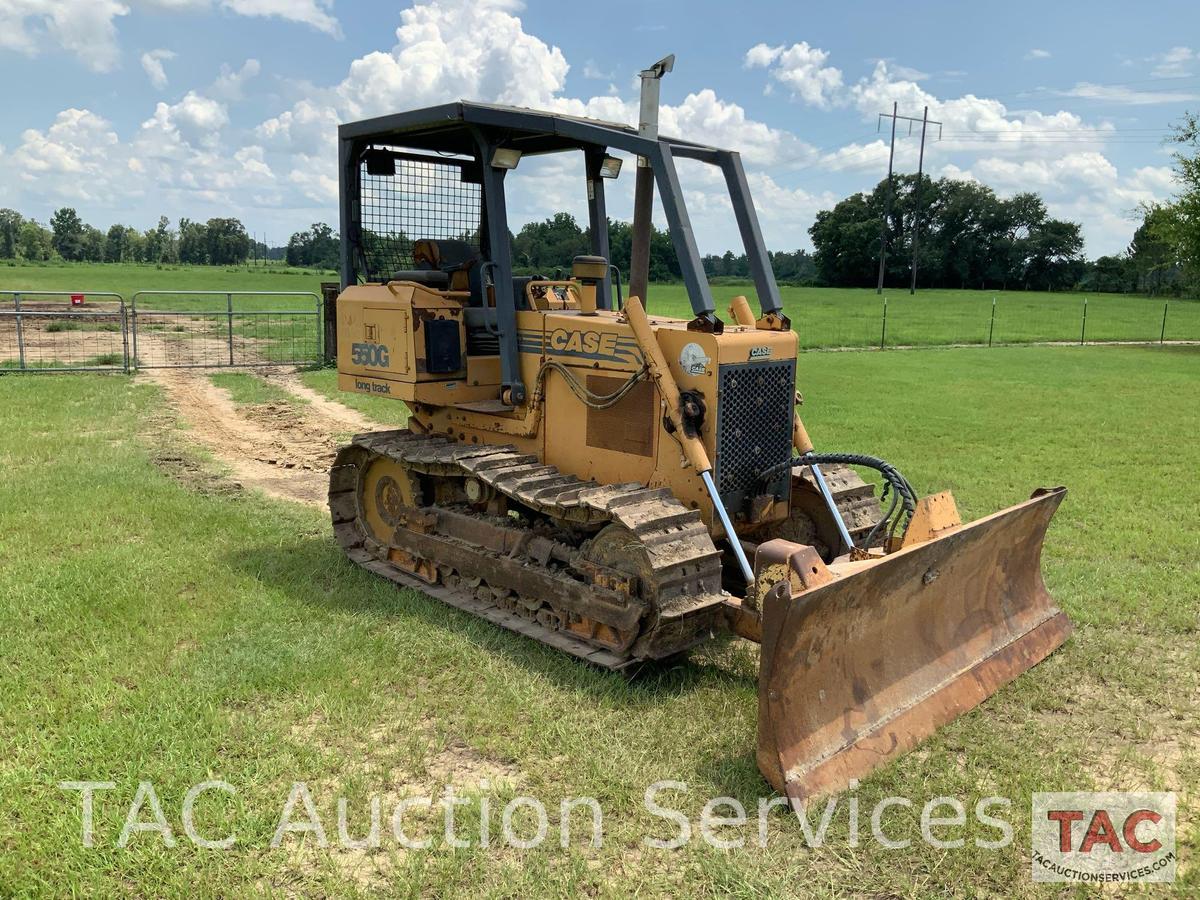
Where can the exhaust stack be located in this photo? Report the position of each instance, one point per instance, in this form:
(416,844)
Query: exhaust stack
(643,190)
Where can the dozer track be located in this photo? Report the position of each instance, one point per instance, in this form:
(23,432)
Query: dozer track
(614,574)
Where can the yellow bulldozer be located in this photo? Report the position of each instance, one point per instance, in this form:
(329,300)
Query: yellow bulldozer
(624,486)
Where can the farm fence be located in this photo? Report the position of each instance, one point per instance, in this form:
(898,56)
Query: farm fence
(64,331)
(97,331)
(208,329)
(989,321)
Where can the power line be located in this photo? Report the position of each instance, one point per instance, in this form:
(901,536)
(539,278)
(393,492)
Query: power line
(925,121)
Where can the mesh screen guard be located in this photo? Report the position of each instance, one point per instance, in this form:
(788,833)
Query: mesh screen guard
(423,200)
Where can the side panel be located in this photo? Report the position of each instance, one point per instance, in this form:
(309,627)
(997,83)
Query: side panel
(383,345)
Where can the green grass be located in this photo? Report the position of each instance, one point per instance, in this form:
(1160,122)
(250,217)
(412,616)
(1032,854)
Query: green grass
(379,409)
(104,360)
(127,279)
(247,389)
(73,325)
(153,629)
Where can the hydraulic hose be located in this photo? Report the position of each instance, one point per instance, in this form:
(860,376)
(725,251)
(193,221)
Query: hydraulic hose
(895,483)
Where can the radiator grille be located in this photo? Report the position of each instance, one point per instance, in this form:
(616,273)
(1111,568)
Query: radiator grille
(755,405)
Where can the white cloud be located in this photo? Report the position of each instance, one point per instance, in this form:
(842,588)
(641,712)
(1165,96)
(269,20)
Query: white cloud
(1037,53)
(1086,170)
(308,12)
(1126,96)
(801,69)
(88,28)
(306,128)
(83,27)
(195,120)
(595,73)
(972,123)
(1079,187)
(855,156)
(455,49)
(1177,62)
(152,63)
(230,83)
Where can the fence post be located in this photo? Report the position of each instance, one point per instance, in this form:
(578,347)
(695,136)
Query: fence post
(133,327)
(1083,329)
(883,334)
(992,323)
(1162,337)
(20,331)
(229,314)
(124,336)
(328,325)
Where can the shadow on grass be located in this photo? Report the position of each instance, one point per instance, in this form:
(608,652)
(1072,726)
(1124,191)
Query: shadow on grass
(313,571)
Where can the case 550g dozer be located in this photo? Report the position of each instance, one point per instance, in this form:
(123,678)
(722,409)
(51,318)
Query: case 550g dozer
(623,486)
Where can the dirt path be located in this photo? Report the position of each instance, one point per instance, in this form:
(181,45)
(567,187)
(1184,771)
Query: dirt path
(324,410)
(283,449)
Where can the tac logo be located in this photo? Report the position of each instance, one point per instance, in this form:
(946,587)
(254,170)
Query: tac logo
(1103,838)
(369,355)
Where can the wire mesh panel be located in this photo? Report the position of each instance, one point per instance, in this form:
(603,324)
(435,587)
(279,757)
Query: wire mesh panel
(421,201)
(59,332)
(202,329)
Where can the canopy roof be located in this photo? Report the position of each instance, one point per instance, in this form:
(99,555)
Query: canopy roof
(449,129)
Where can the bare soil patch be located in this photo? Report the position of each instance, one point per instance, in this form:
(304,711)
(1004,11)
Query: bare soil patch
(283,449)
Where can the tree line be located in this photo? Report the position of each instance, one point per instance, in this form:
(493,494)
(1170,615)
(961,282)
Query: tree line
(217,242)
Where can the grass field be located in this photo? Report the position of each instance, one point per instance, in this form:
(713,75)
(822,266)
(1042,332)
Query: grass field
(128,279)
(154,629)
(823,317)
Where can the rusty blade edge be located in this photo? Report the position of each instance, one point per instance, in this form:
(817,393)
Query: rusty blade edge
(913,725)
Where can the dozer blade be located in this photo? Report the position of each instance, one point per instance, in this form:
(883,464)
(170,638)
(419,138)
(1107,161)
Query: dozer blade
(860,668)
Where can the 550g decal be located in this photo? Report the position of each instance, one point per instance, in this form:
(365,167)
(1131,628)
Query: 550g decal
(369,355)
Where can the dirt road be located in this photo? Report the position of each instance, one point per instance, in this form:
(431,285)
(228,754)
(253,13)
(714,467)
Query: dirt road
(282,448)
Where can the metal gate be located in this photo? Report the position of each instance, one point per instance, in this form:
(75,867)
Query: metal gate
(63,331)
(205,329)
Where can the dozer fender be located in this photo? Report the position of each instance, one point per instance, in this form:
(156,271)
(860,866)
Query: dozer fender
(862,660)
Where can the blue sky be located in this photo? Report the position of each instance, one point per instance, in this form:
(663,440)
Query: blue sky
(128,109)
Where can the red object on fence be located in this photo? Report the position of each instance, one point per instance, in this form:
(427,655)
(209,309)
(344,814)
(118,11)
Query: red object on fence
(77,299)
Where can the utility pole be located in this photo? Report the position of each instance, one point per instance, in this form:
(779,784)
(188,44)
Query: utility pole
(925,121)
(887,206)
(912,288)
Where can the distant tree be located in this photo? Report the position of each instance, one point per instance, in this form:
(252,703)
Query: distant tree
(160,242)
(34,242)
(549,244)
(193,243)
(1110,274)
(969,238)
(1179,222)
(620,242)
(318,247)
(1151,255)
(10,230)
(847,241)
(68,233)
(94,244)
(226,242)
(116,244)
